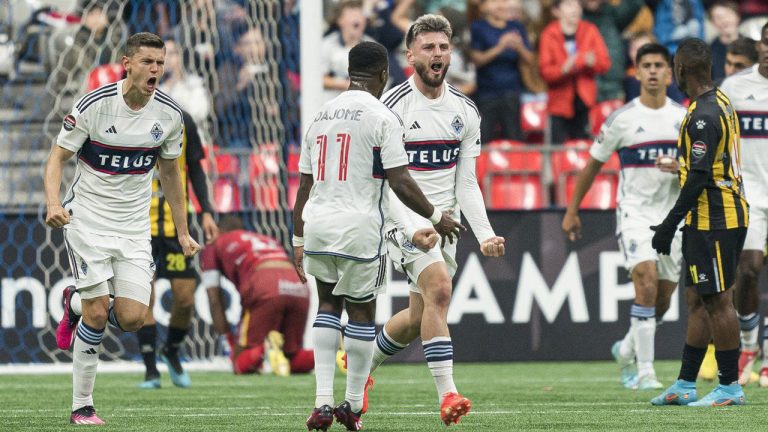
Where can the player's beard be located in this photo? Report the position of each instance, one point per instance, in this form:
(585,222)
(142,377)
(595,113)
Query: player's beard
(423,71)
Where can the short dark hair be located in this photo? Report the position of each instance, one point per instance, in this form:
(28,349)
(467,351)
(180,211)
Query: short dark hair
(653,48)
(765,27)
(143,39)
(727,4)
(368,58)
(744,46)
(695,55)
(428,24)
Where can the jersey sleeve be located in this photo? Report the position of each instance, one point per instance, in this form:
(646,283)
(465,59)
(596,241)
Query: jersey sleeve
(208,259)
(607,141)
(171,148)
(705,132)
(470,144)
(74,131)
(305,164)
(391,138)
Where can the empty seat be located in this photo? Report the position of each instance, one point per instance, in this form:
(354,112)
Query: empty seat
(533,116)
(601,195)
(265,193)
(226,195)
(227,165)
(514,192)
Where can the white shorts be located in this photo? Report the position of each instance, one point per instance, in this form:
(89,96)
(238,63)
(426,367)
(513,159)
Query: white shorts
(356,281)
(126,263)
(408,259)
(757,229)
(635,244)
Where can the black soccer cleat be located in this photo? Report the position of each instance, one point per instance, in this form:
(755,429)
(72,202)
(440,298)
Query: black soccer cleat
(347,417)
(320,419)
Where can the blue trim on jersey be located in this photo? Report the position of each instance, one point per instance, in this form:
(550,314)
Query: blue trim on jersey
(392,101)
(95,93)
(643,155)
(432,155)
(96,99)
(749,120)
(115,160)
(165,100)
(349,257)
(610,119)
(72,190)
(378,170)
(395,91)
(469,102)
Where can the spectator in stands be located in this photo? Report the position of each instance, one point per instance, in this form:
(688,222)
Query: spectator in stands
(741,54)
(675,20)
(611,21)
(245,100)
(461,74)
(631,84)
(498,47)
(96,41)
(351,22)
(195,37)
(152,16)
(571,54)
(188,90)
(384,30)
(724,15)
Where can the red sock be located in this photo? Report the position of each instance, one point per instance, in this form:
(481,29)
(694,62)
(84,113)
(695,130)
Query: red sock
(249,360)
(303,361)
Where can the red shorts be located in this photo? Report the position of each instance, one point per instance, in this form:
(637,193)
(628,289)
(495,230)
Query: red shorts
(285,311)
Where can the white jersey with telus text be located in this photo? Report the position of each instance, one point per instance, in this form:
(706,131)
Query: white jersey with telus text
(639,134)
(748,92)
(351,141)
(116,149)
(437,133)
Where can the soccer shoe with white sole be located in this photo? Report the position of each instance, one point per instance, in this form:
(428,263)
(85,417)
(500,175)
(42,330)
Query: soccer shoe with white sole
(281,366)
(649,382)
(453,408)
(746,360)
(345,416)
(627,367)
(179,377)
(763,380)
(85,416)
(65,331)
(679,393)
(321,418)
(722,395)
(708,369)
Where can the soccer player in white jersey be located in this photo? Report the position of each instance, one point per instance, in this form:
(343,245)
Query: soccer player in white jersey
(118,132)
(442,140)
(748,92)
(644,133)
(351,152)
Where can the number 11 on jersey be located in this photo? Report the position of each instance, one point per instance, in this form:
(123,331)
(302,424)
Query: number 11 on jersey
(322,141)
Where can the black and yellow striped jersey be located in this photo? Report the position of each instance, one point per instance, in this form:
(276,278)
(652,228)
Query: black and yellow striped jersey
(709,142)
(160,218)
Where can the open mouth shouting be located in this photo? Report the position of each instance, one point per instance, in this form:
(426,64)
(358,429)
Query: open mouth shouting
(436,67)
(151,84)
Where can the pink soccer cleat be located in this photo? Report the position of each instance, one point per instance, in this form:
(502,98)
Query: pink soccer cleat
(453,407)
(86,416)
(65,332)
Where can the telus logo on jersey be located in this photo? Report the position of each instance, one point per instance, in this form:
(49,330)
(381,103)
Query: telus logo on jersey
(754,124)
(118,160)
(643,155)
(432,154)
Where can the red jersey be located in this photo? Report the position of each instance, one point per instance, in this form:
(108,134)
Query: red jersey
(236,255)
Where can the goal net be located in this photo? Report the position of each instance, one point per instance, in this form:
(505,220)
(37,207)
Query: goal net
(236,58)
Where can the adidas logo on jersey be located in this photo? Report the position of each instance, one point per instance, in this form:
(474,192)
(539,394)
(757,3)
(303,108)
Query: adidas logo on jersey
(415,125)
(751,97)
(111,130)
(639,129)
(89,351)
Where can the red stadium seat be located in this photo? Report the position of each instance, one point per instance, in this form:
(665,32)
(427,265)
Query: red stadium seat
(601,195)
(265,193)
(293,161)
(227,165)
(515,192)
(533,116)
(503,144)
(567,162)
(103,75)
(265,161)
(600,112)
(226,195)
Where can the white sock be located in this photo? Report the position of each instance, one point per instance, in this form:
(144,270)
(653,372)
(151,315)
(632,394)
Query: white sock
(85,359)
(76,304)
(326,333)
(749,325)
(358,342)
(627,347)
(645,334)
(384,348)
(439,354)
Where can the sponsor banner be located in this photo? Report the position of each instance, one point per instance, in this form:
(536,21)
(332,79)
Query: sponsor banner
(547,299)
